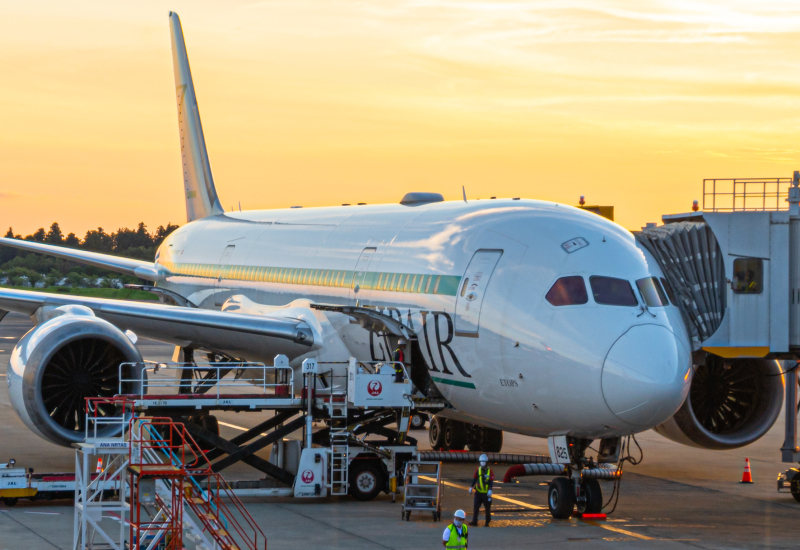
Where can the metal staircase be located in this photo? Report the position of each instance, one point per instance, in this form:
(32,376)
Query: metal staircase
(213,524)
(171,491)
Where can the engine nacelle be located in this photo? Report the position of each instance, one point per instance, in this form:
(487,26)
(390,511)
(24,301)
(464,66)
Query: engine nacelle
(730,404)
(59,363)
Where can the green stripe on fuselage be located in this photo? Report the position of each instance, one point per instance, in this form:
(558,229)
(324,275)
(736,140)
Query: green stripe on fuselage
(450,382)
(419,283)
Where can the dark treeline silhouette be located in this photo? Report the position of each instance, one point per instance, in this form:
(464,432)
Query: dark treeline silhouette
(24,268)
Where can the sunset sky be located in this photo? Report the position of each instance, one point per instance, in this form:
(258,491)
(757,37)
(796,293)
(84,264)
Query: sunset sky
(630,102)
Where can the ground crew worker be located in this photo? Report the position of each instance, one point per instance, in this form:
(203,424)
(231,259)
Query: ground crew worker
(482,483)
(399,356)
(455,535)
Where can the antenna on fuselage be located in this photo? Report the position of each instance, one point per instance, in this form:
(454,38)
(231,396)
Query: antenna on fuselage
(464,193)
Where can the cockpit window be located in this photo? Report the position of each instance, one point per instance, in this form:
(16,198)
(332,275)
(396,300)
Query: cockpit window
(568,291)
(652,293)
(612,292)
(672,299)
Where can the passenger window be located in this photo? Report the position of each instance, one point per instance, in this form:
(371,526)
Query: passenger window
(612,292)
(567,291)
(748,276)
(652,293)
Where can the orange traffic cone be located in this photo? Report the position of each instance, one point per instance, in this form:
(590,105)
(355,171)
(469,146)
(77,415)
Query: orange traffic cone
(99,465)
(746,477)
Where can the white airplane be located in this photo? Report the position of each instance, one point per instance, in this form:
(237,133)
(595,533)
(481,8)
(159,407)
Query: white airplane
(527,316)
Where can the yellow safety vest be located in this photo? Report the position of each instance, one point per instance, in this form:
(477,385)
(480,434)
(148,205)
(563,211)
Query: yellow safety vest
(456,540)
(483,482)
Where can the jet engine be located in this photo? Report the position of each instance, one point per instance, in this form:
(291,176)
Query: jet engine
(59,363)
(731,403)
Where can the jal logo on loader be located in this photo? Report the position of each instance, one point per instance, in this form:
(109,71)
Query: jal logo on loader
(308,476)
(374,388)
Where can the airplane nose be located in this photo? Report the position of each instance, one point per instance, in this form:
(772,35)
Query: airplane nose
(645,375)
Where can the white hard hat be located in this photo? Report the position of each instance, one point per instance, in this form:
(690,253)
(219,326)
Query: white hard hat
(483,458)
(401,342)
(460,514)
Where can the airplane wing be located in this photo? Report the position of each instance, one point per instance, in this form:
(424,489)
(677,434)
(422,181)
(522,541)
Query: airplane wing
(138,268)
(239,335)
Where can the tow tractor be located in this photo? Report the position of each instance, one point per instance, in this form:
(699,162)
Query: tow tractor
(17,483)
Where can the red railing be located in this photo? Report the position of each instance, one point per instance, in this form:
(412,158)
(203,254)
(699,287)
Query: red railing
(161,447)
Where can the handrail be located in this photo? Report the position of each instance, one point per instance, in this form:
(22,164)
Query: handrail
(146,379)
(745,194)
(210,497)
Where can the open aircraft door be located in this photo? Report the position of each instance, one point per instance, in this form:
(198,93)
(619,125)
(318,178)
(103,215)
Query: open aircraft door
(473,288)
(219,293)
(360,275)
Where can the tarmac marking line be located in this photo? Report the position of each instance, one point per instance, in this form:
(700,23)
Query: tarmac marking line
(234,426)
(498,497)
(617,530)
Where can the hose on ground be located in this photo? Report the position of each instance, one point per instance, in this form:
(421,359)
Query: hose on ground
(494,458)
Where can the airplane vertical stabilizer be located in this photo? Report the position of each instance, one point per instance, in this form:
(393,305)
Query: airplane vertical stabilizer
(198,182)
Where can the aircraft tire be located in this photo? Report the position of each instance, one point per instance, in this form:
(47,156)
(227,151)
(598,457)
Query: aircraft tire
(594,497)
(455,435)
(436,434)
(561,498)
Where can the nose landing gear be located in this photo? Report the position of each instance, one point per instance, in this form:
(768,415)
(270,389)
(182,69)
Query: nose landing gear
(579,488)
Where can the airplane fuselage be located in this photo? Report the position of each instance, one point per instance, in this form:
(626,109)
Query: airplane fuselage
(470,279)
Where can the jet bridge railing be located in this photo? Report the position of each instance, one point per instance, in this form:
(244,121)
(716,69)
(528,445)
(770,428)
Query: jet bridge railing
(217,380)
(745,194)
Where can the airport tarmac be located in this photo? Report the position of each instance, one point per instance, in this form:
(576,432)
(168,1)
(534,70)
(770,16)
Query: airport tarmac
(678,497)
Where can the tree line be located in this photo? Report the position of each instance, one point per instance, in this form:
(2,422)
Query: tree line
(20,268)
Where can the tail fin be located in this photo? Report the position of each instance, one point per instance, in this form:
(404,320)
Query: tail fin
(198,182)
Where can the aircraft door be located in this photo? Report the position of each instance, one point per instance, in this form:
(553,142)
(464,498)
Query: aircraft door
(358,286)
(472,290)
(219,294)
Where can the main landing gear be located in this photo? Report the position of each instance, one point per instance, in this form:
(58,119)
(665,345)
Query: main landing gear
(446,434)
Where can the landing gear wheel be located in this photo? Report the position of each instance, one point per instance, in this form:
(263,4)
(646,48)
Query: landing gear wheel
(455,436)
(211,424)
(590,488)
(561,498)
(366,479)
(418,421)
(408,516)
(436,434)
(486,440)
(434,517)
(10,501)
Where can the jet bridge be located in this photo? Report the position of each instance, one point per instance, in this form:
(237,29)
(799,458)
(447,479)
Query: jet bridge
(733,269)
(734,266)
